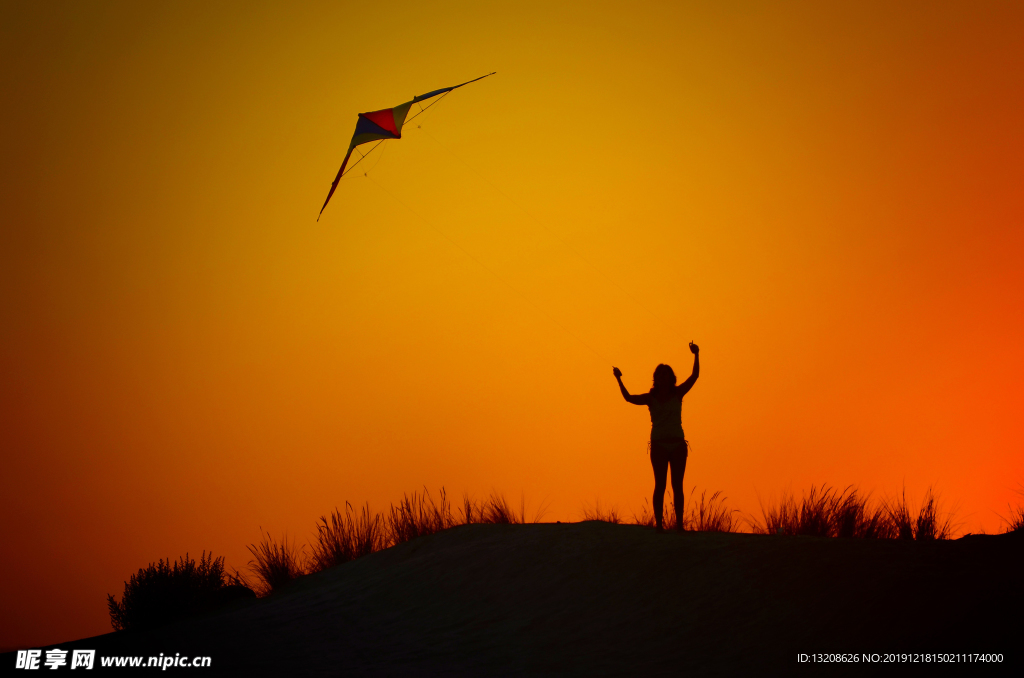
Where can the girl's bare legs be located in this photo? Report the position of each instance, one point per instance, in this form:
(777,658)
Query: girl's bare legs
(678,462)
(663,455)
(659,460)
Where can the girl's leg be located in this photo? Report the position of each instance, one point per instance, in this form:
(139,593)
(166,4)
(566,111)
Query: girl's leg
(678,468)
(659,460)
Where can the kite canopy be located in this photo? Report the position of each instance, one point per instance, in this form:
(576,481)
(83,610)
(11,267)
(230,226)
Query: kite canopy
(383,124)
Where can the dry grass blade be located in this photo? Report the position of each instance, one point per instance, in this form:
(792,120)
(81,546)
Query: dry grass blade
(470,511)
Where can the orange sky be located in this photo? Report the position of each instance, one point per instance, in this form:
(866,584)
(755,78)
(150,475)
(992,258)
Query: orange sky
(827,200)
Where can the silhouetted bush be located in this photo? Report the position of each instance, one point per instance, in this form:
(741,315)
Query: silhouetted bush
(276,564)
(166,591)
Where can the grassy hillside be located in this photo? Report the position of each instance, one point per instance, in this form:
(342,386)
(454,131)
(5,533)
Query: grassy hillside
(600,599)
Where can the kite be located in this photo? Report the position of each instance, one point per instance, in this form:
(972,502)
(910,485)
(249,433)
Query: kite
(382,125)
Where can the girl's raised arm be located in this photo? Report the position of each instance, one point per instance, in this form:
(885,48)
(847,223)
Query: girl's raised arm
(688,384)
(635,399)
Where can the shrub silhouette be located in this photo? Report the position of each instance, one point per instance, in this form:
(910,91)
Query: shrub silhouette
(166,591)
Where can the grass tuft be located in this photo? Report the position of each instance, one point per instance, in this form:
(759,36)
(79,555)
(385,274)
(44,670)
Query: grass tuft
(646,515)
(1015,523)
(346,537)
(496,510)
(470,511)
(779,518)
(610,515)
(275,564)
(928,525)
(826,512)
(710,514)
(417,515)
(1015,520)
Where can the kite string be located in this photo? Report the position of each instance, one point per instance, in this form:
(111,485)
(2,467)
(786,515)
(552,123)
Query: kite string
(380,157)
(608,278)
(491,271)
(363,157)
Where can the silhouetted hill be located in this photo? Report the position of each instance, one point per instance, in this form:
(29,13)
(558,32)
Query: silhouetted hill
(593,599)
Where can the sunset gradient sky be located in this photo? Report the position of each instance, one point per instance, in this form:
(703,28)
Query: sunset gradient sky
(826,198)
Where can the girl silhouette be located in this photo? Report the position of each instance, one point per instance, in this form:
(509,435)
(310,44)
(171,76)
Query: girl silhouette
(668,444)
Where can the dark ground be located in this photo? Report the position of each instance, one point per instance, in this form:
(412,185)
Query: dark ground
(592,599)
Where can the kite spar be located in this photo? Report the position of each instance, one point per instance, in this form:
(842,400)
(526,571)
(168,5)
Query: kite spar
(384,124)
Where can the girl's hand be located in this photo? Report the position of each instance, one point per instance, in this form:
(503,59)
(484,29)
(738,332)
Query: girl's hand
(617,372)
(694,348)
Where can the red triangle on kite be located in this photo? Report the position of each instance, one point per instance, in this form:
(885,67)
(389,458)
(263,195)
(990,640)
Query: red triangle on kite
(384,118)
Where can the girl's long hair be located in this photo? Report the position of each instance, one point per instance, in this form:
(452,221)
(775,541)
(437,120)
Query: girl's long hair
(664,379)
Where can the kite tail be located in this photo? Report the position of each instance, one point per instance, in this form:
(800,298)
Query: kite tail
(334,184)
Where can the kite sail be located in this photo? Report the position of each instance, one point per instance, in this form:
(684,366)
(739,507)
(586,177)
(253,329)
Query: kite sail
(384,124)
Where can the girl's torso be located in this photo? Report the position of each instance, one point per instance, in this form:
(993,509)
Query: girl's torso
(666,416)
